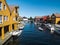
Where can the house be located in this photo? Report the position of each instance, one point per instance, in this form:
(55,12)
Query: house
(8,19)
(37,18)
(25,19)
(45,18)
(4,18)
(57,18)
(14,17)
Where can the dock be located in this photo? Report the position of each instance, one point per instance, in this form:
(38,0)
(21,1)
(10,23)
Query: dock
(7,37)
(56,29)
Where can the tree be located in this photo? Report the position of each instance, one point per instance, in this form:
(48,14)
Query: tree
(20,18)
(30,18)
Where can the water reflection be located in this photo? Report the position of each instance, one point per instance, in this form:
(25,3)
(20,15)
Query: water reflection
(13,42)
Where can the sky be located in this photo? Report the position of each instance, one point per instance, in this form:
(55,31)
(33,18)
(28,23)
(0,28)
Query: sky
(36,7)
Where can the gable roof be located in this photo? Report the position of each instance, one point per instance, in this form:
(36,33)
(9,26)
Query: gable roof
(12,7)
(57,15)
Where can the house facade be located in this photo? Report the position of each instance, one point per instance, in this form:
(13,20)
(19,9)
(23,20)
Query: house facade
(57,18)
(14,17)
(8,18)
(37,18)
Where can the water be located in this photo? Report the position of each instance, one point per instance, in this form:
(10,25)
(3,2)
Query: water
(32,36)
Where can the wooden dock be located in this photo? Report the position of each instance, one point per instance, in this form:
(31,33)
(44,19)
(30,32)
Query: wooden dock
(7,37)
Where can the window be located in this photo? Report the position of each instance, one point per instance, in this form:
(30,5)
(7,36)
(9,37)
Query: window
(5,18)
(4,7)
(16,11)
(0,6)
(6,29)
(0,19)
(13,26)
(14,19)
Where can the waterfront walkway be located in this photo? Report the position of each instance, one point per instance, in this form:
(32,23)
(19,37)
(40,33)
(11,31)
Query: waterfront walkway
(32,36)
(7,36)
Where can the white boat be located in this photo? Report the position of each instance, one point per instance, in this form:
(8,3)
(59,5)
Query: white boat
(21,27)
(57,32)
(40,28)
(48,25)
(57,25)
(16,33)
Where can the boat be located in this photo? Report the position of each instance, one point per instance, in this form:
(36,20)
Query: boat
(56,25)
(21,27)
(57,29)
(57,32)
(40,28)
(16,33)
(48,26)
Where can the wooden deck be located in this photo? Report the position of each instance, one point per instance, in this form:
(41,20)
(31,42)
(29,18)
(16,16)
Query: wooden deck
(7,36)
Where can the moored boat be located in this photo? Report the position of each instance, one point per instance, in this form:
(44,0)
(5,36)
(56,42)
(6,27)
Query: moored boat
(21,27)
(40,28)
(16,33)
(57,32)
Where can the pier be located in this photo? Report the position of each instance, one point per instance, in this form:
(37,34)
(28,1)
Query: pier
(7,37)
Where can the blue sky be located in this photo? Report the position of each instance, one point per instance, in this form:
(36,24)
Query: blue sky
(36,7)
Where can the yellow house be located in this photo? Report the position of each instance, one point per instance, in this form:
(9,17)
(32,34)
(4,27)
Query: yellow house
(14,17)
(4,18)
(57,18)
(8,18)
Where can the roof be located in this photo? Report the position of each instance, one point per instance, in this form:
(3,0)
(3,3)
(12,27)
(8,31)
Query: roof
(12,7)
(37,16)
(57,15)
(44,16)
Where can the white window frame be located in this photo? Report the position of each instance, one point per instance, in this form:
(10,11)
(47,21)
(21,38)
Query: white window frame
(5,18)
(4,7)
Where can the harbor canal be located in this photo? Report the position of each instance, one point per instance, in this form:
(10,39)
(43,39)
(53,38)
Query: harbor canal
(32,36)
